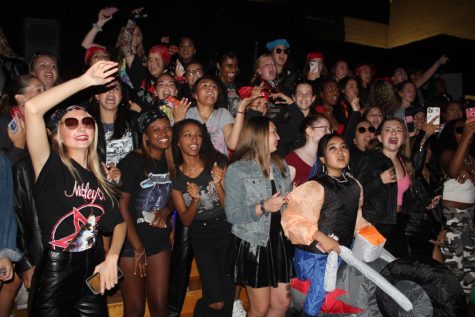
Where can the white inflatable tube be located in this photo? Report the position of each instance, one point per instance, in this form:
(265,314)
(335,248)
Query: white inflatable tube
(376,278)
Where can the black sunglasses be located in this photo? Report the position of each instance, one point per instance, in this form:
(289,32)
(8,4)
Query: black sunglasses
(73,123)
(363,129)
(459,130)
(280,50)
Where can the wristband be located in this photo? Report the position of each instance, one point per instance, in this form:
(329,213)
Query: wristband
(263,209)
(97,27)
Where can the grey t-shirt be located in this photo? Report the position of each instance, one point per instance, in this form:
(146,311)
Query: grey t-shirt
(216,122)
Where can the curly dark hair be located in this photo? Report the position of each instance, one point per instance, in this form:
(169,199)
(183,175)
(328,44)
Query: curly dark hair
(207,153)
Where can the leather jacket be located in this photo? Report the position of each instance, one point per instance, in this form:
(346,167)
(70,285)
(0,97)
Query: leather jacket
(380,200)
(29,235)
(422,222)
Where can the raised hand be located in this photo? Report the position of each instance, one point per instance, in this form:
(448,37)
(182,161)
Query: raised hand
(179,110)
(105,15)
(101,73)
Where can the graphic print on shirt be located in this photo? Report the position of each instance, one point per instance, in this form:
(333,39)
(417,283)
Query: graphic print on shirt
(153,196)
(81,222)
(117,149)
(209,198)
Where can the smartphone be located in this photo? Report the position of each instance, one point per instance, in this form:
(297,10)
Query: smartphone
(470,113)
(94,281)
(313,66)
(174,101)
(13,125)
(411,127)
(433,112)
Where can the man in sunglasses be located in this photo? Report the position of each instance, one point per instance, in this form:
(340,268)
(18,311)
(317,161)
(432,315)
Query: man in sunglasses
(287,73)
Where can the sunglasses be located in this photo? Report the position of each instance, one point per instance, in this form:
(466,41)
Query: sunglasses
(459,130)
(369,129)
(280,50)
(73,123)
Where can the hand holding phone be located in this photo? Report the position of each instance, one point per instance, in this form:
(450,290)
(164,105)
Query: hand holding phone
(94,281)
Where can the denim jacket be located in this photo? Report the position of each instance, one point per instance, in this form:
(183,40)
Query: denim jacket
(245,186)
(8,224)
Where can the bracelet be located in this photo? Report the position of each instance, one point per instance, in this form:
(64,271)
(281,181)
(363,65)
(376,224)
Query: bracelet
(97,27)
(240,112)
(139,255)
(263,209)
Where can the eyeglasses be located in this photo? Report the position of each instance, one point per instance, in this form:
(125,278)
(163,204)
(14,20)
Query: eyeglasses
(280,50)
(327,129)
(369,129)
(197,72)
(73,123)
(459,130)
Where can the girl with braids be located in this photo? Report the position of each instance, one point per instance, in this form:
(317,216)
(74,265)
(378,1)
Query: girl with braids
(303,160)
(146,178)
(198,196)
(73,201)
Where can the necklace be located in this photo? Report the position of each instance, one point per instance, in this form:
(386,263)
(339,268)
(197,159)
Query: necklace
(344,180)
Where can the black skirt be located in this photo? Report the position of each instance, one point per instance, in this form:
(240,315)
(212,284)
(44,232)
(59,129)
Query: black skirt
(258,266)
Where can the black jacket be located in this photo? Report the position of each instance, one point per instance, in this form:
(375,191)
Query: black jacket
(380,200)
(422,222)
(29,234)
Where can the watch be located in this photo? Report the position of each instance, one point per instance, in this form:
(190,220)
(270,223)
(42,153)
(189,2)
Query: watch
(263,209)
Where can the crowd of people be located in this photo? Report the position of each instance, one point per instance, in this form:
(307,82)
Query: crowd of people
(152,157)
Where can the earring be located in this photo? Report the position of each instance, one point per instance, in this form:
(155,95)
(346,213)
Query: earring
(323,168)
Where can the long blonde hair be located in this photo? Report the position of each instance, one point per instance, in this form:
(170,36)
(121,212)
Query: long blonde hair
(254,144)
(92,162)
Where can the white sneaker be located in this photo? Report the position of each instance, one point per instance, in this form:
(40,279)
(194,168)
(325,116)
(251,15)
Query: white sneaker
(238,309)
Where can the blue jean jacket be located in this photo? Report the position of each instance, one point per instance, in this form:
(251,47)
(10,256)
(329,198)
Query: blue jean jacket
(8,224)
(245,186)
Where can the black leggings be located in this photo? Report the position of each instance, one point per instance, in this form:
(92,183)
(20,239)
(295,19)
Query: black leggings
(59,287)
(209,239)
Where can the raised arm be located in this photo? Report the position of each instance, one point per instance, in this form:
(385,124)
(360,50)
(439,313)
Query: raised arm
(103,16)
(35,108)
(232,131)
(431,71)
